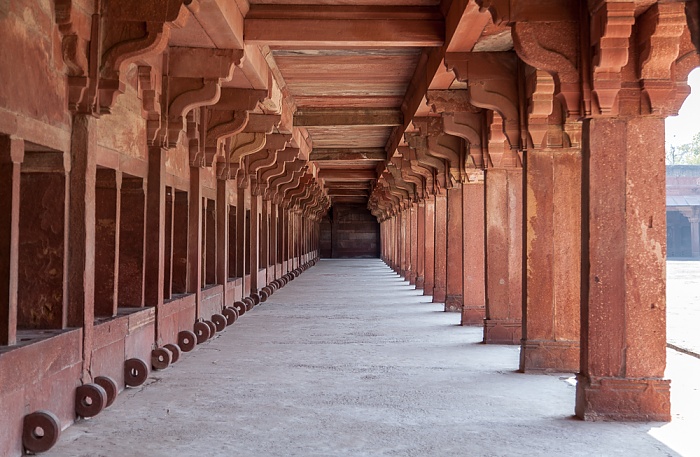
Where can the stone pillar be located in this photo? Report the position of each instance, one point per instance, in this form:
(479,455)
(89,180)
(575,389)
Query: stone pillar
(504,255)
(455,269)
(155,227)
(429,247)
(131,242)
(107,216)
(413,240)
(11,157)
(439,290)
(551,315)
(168,251)
(194,245)
(420,243)
(209,244)
(265,239)
(623,309)
(180,242)
(222,228)
(274,225)
(254,246)
(474,241)
(241,231)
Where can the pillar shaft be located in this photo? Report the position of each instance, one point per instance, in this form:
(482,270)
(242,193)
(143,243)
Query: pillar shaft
(504,255)
(195,232)
(474,241)
(254,246)
(695,236)
(155,227)
(429,247)
(551,313)
(439,289)
(420,243)
(11,156)
(222,232)
(413,239)
(623,309)
(455,269)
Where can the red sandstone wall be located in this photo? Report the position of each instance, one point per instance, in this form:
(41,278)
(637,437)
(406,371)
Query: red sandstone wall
(354,232)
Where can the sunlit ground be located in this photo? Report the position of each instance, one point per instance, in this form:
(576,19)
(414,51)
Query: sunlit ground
(683,331)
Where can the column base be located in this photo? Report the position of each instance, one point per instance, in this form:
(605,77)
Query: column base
(549,356)
(473,315)
(438,295)
(507,331)
(411,278)
(621,399)
(428,288)
(453,304)
(420,281)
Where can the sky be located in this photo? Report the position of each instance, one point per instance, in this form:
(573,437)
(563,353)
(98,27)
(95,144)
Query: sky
(680,129)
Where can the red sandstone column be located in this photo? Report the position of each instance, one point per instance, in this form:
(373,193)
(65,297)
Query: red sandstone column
(241,235)
(504,255)
(420,243)
(429,247)
(255,213)
(222,243)
(107,216)
(209,243)
(168,252)
(81,235)
(131,242)
(180,241)
(194,256)
(439,290)
(623,309)
(455,269)
(474,241)
(414,244)
(11,157)
(551,315)
(155,227)
(273,238)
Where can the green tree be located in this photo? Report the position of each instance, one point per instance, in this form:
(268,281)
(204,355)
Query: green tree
(685,154)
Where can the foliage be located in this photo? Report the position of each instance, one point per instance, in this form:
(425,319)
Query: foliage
(685,154)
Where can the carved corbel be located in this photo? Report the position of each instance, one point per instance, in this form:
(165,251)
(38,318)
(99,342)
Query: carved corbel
(149,91)
(265,175)
(611,29)
(500,155)
(419,143)
(446,147)
(659,34)
(554,48)
(540,90)
(194,80)
(492,84)
(292,170)
(76,29)
(130,30)
(499,9)
(242,145)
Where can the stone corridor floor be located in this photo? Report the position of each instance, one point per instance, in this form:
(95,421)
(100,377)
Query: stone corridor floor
(683,304)
(349,360)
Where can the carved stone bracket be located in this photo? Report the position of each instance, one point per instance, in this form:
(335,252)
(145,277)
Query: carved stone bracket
(554,48)
(98,48)
(611,29)
(492,82)
(194,80)
(659,34)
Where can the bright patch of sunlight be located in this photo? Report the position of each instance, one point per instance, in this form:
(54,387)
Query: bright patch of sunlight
(680,129)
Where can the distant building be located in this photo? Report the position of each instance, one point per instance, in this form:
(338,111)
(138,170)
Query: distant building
(683,211)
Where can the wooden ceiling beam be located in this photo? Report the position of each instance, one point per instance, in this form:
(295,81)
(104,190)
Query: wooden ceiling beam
(339,174)
(333,117)
(341,154)
(359,26)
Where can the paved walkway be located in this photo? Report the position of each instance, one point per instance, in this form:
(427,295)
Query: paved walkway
(683,305)
(349,360)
